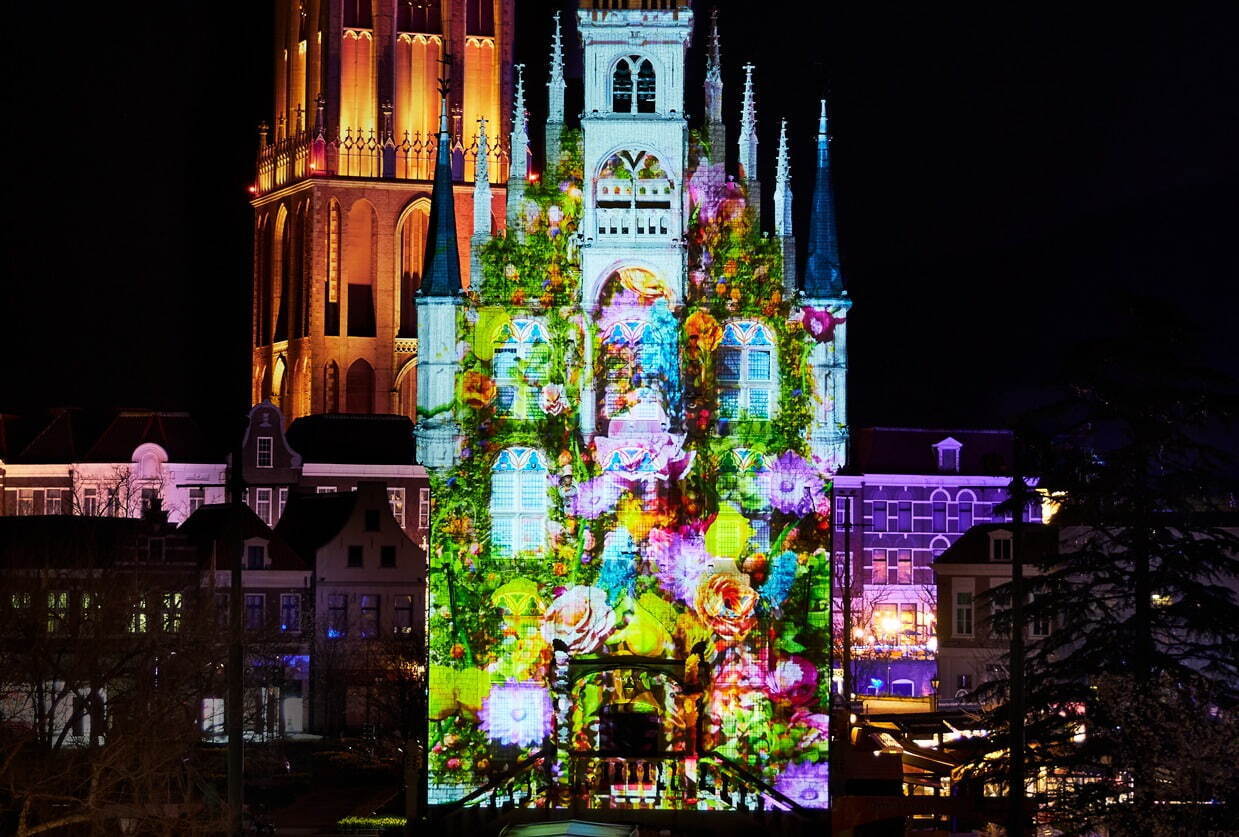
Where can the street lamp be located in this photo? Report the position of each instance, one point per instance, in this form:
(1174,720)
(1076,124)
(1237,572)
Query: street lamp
(934,683)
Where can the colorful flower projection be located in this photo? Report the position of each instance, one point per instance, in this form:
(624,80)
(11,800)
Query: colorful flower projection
(683,556)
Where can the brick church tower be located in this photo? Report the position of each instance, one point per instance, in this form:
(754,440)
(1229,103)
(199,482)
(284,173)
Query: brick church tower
(342,193)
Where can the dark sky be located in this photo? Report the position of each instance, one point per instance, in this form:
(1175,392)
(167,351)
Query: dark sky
(1003,174)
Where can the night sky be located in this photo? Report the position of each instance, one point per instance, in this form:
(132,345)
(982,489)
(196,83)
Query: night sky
(1002,176)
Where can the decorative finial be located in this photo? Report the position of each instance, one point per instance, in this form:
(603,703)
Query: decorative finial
(557,53)
(519,117)
(714,60)
(748,111)
(481,166)
(782,167)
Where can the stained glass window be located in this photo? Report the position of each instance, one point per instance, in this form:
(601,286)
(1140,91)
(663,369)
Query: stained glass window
(518,501)
(746,372)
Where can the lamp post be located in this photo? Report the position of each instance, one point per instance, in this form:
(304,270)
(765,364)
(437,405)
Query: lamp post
(934,683)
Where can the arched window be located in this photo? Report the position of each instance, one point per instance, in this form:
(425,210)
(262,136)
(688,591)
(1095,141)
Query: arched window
(279,276)
(622,100)
(938,546)
(280,384)
(744,481)
(632,358)
(521,364)
(359,388)
(331,387)
(518,485)
(965,502)
(412,258)
(748,384)
(938,505)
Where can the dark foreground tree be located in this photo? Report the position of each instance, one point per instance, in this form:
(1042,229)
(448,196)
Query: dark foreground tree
(1131,700)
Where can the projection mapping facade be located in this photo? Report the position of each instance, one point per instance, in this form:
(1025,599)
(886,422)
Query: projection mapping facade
(632,416)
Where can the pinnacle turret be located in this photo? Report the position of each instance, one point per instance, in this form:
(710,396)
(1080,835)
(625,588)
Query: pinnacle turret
(441,275)
(555,97)
(714,83)
(748,142)
(518,173)
(482,228)
(783,211)
(823,278)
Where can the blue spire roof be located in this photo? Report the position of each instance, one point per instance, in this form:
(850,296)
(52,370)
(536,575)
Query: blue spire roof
(823,278)
(441,274)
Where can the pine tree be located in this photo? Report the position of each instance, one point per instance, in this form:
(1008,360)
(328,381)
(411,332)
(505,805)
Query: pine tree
(1131,702)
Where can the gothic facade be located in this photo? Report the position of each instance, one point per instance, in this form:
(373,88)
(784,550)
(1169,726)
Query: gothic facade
(631,405)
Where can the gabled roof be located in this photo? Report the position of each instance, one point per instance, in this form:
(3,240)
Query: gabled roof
(177,433)
(70,435)
(1039,541)
(910,450)
(353,439)
(311,520)
(211,523)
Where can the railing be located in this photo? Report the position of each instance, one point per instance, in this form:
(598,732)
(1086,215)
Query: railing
(405,345)
(629,223)
(360,153)
(668,782)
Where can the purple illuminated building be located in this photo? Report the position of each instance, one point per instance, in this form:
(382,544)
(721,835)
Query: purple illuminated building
(905,497)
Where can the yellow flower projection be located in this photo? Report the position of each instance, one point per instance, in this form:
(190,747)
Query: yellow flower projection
(645,283)
(729,533)
(477,390)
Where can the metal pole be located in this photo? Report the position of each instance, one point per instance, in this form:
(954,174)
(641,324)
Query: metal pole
(236,653)
(1016,820)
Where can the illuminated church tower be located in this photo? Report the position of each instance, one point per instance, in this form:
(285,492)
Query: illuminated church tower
(342,194)
(632,417)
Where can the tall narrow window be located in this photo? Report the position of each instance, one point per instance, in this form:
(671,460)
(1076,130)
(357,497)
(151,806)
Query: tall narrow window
(965,502)
(90,502)
(646,88)
(262,505)
(359,262)
(879,574)
(173,609)
(266,448)
(621,87)
(337,615)
(938,511)
(904,570)
(57,612)
(412,258)
(904,519)
(255,619)
(879,515)
(359,388)
(521,364)
(423,508)
(25,502)
(518,502)
(746,374)
(290,612)
(331,299)
(369,625)
(51,504)
(137,617)
(331,388)
(395,498)
(283,501)
(403,614)
(963,613)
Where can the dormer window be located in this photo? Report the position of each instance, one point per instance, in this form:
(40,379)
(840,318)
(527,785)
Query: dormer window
(1000,546)
(948,456)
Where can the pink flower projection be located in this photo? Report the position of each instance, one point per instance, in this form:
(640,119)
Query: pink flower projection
(792,681)
(580,618)
(805,784)
(820,323)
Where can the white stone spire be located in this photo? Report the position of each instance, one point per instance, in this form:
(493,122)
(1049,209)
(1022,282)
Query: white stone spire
(714,81)
(518,173)
(555,97)
(482,228)
(748,142)
(783,211)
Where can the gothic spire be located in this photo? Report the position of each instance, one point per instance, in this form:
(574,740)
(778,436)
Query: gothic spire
(555,97)
(748,142)
(518,171)
(823,278)
(441,275)
(783,211)
(714,79)
(481,185)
